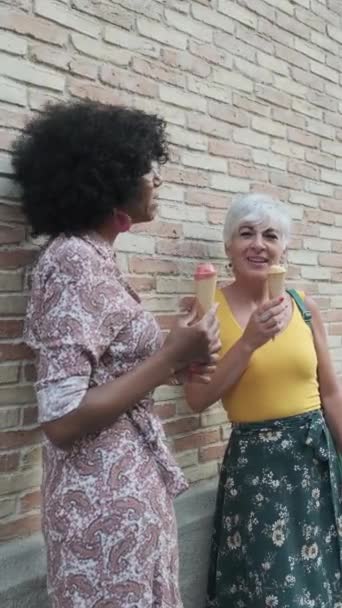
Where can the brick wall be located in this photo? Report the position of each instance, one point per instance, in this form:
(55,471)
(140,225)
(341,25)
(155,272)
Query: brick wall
(251,92)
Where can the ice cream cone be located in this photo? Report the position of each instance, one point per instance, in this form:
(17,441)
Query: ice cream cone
(205,285)
(276,281)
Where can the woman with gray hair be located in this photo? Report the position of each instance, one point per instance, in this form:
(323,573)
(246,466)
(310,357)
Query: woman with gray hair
(278,526)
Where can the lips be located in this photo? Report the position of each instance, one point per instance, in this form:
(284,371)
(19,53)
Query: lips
(257,260)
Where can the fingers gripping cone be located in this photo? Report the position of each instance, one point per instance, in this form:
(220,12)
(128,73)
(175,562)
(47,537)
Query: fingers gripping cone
(205,285)
(276,281)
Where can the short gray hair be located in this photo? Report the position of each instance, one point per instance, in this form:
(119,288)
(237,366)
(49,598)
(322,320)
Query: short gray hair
(258,209)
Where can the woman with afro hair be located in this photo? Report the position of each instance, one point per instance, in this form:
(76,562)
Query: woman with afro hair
(87,172)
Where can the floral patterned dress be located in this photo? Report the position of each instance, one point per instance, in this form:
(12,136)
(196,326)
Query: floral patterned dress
(108,515)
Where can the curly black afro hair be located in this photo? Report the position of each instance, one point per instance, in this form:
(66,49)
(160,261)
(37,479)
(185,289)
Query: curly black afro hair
(77,162)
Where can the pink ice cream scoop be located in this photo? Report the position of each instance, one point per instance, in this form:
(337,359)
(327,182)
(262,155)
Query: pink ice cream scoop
(205,285)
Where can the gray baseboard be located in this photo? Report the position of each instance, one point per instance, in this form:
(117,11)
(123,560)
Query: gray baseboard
(23,564)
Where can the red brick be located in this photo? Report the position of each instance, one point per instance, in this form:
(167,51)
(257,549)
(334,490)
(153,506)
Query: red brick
(291,56)
(208,199)
(123,79)
(323,101)
(83,67)
(331,205)
(287,117)
(10,235)
(142,283)
(247,171)
(295,166)
(29,373)
(84,90)
(333,316)
(11,213)
(250,105)
(224,112)
(30,501)
(182,425)
(167,321)
(216,217)
(331,260)
(6,139)
(33,27)
(308,79)
(196,440)
(158,71)
(151,265)
(11,328)
(165,410)
(321,217)
(167,229)
(335,329)
(9,462)
(117,15)
(20,528)
(301,137)
(193,249)
(185,176)
(305,229)
(219,147)
(29,415)
(336,277)
(273,96)
(213,452)
(206,124)
(287,181)
(318,158)
(12,440)
(186,62)
(17,258)
(13,352)
(337,247)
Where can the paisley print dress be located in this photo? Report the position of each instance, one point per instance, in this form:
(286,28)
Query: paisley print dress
(107,502)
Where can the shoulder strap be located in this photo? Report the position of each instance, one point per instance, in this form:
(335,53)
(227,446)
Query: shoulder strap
(304,311)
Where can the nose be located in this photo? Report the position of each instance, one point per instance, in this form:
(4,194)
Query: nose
(157,179)
(258,242)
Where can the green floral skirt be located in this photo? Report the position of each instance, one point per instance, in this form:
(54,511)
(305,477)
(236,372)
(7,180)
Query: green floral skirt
(277,539)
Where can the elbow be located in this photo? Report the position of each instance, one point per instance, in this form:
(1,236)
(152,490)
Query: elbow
(58,435)
(195,402)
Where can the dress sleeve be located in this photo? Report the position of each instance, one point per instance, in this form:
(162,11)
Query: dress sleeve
(74,315)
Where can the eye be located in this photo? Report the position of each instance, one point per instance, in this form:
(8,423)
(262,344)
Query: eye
(272,236)
(245,233)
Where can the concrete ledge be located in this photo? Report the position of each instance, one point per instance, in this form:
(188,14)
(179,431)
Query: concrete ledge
(195,511)
(23,564)
(22,580)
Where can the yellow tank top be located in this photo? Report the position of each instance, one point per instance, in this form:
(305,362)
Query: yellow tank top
(281,378)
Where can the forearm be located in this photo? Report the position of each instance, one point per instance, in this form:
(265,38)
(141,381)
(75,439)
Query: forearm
(102,405)
(228,373)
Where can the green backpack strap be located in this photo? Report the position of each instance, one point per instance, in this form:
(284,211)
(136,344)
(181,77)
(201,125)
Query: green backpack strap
(304,311)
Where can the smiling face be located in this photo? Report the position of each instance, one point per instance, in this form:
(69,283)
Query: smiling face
(254,248)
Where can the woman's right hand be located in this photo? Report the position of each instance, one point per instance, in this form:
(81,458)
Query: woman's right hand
(193,340)
(265,323)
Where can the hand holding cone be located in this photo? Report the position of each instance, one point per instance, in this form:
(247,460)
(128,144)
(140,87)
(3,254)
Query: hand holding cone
(276,281)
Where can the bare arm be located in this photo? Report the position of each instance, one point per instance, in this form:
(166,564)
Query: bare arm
(228,372)
(236,360)
(329,385)
(101,405)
